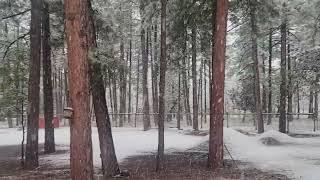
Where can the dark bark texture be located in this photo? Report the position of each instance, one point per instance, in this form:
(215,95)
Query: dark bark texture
(34,86)
(162,84)
(220,15)
(283,74)
(49,144)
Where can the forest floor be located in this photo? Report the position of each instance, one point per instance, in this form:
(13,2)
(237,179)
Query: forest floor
(184,165)
(272,155)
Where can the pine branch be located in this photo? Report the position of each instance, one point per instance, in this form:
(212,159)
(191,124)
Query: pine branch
(13,15)
(9,46)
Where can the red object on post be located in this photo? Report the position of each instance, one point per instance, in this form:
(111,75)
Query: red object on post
(55,122)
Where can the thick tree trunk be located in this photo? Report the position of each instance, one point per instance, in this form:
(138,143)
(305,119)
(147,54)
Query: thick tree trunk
(194,78)
(162,83)
(218,76)
(254,42)
(283,85)
(49,143)
(77,23)
(34,88)
(270,79)
(110,165)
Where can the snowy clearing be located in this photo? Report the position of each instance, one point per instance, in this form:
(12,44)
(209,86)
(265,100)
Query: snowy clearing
(128,142)
(296,157)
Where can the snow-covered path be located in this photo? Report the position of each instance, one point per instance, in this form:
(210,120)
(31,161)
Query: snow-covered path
(296,157)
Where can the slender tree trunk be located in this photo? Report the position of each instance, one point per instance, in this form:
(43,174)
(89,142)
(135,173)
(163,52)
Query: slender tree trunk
(205,93)
(155,74)
(194,78)
(122,85)
(264,91)
(179,104)
(9,118)
(130,83)
(115,97)
(34,86)
(49,144)
(283,85)
(162,83)
(146,108)
(200,93)
(77,23)
(254,41)
(270,78)
(290,90)
(310,102)
(185,83)
(298,100)
(218,76)
(137,91)
(110,91)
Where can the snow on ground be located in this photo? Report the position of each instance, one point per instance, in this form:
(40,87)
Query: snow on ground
(296,157)
(128,142)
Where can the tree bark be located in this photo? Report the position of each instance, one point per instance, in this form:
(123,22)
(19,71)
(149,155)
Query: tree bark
(254,43)
(298,100)
(218,76)
(49,144)
(130,83)
(194,78)
(115,97)
(310,102)
(155,74)
(34,88)
(137,91)
(77,23)
(110,165)
(270,79)
(283,74)
(290,90)
(162,83)
(123,83)
(146,107)
(185,83)
(264,91)
(9,118)
(179,103)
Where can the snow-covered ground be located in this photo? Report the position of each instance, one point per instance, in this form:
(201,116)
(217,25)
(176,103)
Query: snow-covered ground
(296,157)
(128,142)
